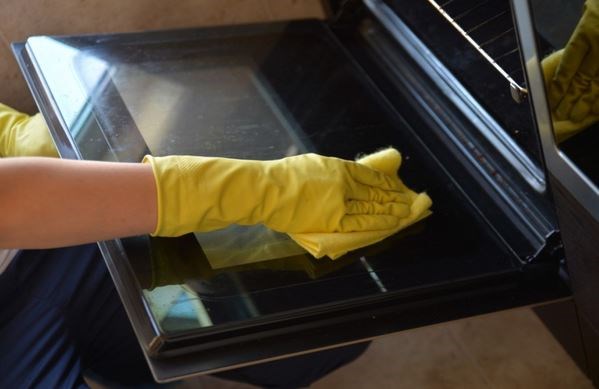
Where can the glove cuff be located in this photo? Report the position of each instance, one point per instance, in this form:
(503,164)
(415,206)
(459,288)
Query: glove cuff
(148,159)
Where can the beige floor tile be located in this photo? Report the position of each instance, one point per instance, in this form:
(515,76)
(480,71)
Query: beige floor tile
(513,349)
(422,358)
(21,19)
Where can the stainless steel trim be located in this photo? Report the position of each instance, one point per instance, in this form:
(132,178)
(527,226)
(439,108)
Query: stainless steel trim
(164,375)
(457,93)
(142,322)
(53,104)
(574,180)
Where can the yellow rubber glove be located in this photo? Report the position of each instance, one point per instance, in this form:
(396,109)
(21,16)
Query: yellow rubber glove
(564,128)
(573,90)
(304,193)
(337,244)
(23,135)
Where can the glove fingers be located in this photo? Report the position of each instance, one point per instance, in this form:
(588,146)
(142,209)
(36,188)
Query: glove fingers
(589,64)
(582,108)
(573,56)
(369,193)
(550,64)
(370,177)
(373,208)
(351,223)
(386,161)
(571,59)
(584,105)
(578,88)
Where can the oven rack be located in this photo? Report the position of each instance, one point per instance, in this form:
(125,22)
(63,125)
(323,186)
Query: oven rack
(488,26)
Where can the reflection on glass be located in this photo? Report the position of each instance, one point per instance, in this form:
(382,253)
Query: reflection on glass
(183,283)
(74,104)
(184,290)
(215,106)
(55,55)
(240,245)
(176,308)
(568,36)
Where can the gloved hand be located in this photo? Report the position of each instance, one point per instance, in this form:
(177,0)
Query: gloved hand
(337,244)
(24,135)
(304,193)
(573,89)
(564,128)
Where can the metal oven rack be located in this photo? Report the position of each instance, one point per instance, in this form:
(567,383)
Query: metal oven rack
(488,26)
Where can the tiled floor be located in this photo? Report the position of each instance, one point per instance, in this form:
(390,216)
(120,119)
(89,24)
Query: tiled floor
(510,349)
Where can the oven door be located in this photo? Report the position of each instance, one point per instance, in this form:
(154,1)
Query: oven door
(212,301)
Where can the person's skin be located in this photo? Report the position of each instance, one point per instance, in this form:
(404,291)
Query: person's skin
(55,203)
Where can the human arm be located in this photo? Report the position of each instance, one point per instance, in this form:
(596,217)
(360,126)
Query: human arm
(46,202)
(49,203)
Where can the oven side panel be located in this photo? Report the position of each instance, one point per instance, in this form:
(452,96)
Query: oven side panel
(580,234)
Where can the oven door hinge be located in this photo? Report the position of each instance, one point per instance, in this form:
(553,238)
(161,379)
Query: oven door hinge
(551,253)
(552,250)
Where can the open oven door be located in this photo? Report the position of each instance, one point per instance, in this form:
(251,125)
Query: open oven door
(213,301)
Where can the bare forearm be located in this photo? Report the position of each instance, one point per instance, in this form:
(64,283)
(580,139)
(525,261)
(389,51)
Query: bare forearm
(51,203)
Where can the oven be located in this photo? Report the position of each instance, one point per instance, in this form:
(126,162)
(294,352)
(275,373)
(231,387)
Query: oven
(455,87)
